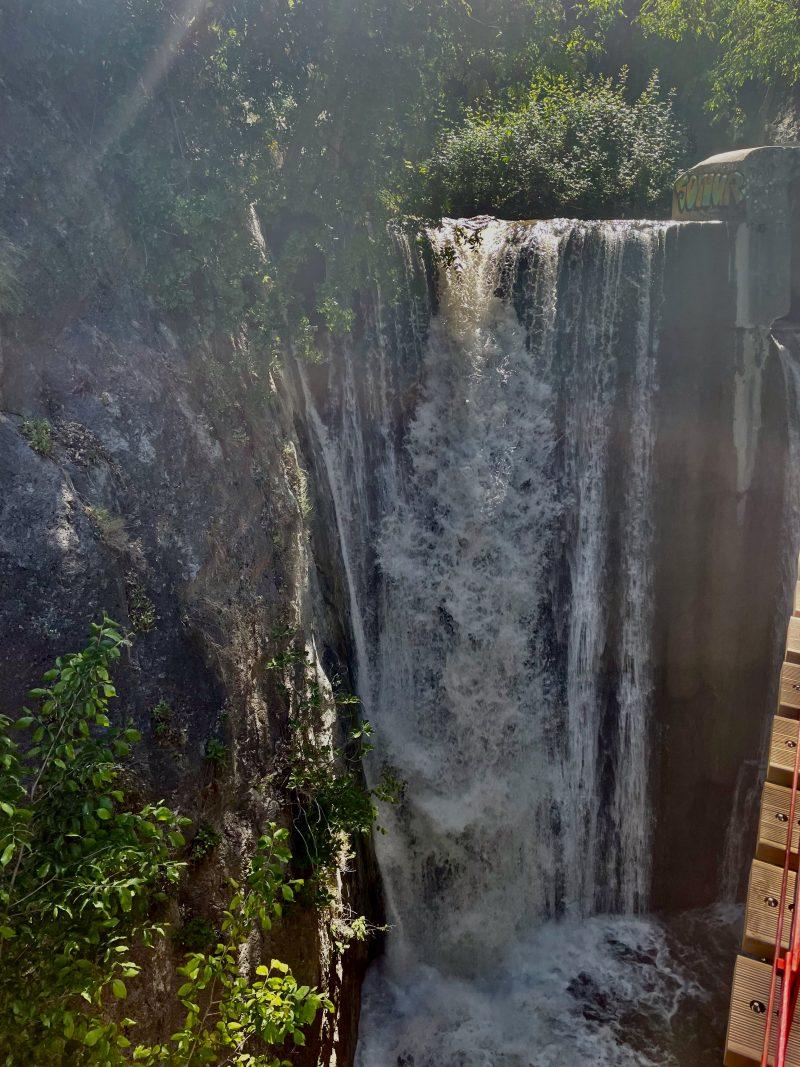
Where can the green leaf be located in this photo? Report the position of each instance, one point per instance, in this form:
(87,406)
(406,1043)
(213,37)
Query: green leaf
(93,1036)
(7,933)
(119,990)
(8,852)
(103,813)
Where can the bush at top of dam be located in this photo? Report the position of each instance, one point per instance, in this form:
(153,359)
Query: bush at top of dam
(576,148)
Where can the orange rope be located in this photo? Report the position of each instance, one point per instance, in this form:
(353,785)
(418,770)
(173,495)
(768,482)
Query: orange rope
(788,986)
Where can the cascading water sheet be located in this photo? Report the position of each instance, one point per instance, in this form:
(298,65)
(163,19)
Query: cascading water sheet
(504,638)
(510,672)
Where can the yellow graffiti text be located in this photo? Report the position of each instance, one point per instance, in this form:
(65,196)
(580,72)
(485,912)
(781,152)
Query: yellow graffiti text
(698,192)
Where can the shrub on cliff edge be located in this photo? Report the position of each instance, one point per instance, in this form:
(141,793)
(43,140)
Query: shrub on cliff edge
(574,148)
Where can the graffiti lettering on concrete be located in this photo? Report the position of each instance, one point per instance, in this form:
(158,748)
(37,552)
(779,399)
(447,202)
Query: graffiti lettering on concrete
(695,192)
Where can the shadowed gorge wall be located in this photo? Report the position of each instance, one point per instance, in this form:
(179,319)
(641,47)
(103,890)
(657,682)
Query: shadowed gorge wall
(171,499)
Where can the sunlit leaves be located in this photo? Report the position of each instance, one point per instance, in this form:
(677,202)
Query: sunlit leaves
(751,44)
(577,147)
(80,870)
(241,1015)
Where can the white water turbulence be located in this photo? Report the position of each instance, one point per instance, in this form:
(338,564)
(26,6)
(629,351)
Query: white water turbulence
(503,476)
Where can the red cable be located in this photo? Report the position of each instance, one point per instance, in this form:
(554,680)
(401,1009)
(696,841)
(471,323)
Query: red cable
(789,987)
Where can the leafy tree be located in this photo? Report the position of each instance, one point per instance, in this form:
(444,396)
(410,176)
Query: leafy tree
(81,872)
(752,50)
(230,1018)
(572,147)
(235,161)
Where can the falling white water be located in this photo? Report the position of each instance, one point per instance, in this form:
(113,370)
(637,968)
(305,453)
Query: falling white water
(500,474)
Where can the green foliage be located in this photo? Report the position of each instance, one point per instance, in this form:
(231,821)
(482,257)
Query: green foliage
(332,804)
(161,719)
(82,878)
(229,1018)
(39,435)
(573,147)
(234,170)
(751,49)
(141,609)
(204,842)
(110,527)
(216,752)
(80,872)
(195,935)
(238,168)
(338,320)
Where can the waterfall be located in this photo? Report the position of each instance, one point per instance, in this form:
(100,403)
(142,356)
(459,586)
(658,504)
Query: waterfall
(499,448)
(514,592)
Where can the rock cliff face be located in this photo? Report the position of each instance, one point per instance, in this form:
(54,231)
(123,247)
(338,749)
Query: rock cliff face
(173,499)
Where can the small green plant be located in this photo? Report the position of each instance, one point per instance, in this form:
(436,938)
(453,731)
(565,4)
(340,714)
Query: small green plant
(285,658)
(348,927)
(216,752)
(163,728)
(110,527)
(161,720)
(204,842)
(39,435)
(338,320)
(304,341)
(390,788)
(141,609)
